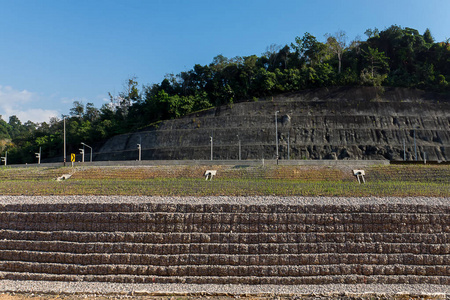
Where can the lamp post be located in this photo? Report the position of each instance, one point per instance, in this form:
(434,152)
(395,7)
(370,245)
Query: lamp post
(65,141)
(139,149)
(89,148)
(211,139)
(239,142)
(276,132)
(82,154)
(38,156)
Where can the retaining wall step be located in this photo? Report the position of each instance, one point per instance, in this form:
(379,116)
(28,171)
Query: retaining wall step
(224,270)
(225,259)
(225,222)
(223,248)
(247,238)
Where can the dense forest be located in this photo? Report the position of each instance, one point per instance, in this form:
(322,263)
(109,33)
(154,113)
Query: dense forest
(395,56)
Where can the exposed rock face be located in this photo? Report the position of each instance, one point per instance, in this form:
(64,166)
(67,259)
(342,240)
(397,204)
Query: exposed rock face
(339,123)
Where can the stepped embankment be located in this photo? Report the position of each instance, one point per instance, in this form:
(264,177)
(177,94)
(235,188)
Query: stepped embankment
(235,242)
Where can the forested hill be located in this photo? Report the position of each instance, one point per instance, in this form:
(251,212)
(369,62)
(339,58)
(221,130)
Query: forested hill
(396,56)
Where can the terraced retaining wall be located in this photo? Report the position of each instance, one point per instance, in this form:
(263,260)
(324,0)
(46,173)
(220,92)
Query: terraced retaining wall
(226,240)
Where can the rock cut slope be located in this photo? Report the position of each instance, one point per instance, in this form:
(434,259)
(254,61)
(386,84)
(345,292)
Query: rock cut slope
(337,123)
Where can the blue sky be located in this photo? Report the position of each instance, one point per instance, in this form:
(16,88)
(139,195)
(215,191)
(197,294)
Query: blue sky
(53,52)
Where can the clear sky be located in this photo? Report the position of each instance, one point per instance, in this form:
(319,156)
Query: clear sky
(53,52)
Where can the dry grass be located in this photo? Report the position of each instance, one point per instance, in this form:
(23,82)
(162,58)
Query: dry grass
(418,180)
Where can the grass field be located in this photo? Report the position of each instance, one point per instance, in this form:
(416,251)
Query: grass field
(394,180)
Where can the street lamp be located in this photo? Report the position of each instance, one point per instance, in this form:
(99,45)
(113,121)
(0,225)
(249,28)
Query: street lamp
(211,139)
(239,141)
(139,149)
(82,154)
(65,141)
(276,131)
(89,148)
(38,156)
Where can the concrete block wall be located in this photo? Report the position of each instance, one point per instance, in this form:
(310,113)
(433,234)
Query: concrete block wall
(223,243)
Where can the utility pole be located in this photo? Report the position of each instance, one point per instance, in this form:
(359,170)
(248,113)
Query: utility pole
(276,132)
(139,149)
(65,141)
(211,139)
(239,141)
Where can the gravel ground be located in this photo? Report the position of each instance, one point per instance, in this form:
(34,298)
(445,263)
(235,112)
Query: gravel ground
(47,287)
(97,288)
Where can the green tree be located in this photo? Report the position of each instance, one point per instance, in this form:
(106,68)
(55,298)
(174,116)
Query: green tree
(375,61)
(15,128)
(263,83)
(371,33)
(309,49)
(4,130)
(427,37)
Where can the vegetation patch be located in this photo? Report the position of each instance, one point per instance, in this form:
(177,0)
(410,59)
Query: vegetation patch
(400,181)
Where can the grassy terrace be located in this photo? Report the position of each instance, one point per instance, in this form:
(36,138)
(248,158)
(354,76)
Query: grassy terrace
(394,180)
